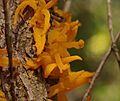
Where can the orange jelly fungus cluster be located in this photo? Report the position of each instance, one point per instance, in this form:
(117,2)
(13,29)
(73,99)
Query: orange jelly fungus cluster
(53,33)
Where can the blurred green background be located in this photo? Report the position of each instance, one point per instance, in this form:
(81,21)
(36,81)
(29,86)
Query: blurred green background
(94,31)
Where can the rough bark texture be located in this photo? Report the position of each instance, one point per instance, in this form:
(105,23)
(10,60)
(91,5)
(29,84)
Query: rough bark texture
(27,87)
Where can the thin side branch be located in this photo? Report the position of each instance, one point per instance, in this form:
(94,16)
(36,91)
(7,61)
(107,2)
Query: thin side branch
(8,38)
(108,53)
(110,27)
(7,32)
(67,5)
(100,67)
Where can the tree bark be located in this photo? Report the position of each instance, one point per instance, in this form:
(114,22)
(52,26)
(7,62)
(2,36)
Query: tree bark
(28,85)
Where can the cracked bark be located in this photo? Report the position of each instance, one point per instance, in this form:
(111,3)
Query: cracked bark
(27,88)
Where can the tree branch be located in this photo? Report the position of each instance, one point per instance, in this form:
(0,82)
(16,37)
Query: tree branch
(7,32)
(100,67)
(108,53)
(8,38)
(67,5)
(110,27)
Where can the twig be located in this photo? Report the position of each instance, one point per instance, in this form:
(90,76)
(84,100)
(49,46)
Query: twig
(104,59)
(108,53)
(7,32)
(110,27)
(67,5)
(8,38)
